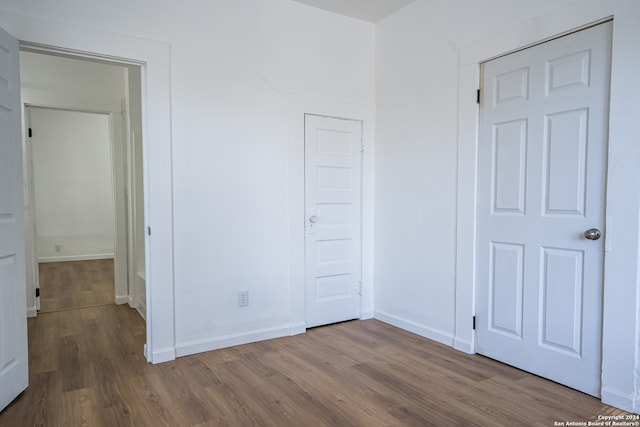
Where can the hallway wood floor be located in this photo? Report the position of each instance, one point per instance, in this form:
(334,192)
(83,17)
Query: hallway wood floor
(87,368)
(75,284)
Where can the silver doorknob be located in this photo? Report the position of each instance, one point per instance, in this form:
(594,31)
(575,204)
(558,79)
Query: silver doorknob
(592,234)
(313,219)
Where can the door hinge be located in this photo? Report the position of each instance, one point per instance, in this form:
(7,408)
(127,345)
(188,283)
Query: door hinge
(30,132)
(474,323)
(37,292)
(360,288)
(478,96)
(149,231)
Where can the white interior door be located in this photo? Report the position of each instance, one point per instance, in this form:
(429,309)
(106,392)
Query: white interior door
(14,374)
(542,168)
(333,158)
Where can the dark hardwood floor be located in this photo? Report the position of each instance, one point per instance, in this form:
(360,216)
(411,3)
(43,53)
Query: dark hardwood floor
(75,284)
(87,369)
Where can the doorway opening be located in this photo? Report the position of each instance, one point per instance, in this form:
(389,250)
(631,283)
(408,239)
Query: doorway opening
(83,181)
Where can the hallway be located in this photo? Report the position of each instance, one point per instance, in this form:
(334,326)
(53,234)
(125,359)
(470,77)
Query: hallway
(75,284)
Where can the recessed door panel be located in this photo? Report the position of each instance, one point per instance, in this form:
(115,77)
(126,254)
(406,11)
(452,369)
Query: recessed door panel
(509,167)
(8,314)
(562,299)
(507,262)
(568,71)
(334,142)
(511,86)
(7,185)
(331,288)
(565,168)
(333,251)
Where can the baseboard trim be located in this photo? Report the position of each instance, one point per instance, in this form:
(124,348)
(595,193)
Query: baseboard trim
(620,400)
(123,299)
(32,312)
(366,315)
(161,356)
(141,308)
(417,328)
(200,346)
(297,328)
(464,346)
(63,258)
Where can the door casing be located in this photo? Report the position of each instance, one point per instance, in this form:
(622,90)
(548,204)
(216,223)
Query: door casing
(154,59)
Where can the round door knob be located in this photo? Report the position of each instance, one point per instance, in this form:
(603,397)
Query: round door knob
(313,219)
(592,234)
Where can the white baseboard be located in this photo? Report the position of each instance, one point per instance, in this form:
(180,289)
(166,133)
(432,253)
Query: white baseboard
(160,356)
(417,328)
(366,315)
(62,258)
(123,299)
(464,345)
(142,309)
(620,400)
(297,328)
(200,346)
(32,312)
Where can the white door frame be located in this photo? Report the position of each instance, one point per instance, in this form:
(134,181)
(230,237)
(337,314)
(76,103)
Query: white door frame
(154,59)
(619,356)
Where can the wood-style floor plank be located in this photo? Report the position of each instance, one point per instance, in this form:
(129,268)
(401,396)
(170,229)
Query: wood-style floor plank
(87,368)
(74,284)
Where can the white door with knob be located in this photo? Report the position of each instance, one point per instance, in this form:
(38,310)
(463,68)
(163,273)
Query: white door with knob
(14,373)
(542,168)
(333,165)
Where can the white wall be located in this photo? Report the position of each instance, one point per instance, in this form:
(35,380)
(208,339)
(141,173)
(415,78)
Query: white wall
(237,67)
(73,186)
(427,71)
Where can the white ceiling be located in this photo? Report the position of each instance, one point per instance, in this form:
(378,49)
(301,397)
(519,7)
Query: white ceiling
(367,10)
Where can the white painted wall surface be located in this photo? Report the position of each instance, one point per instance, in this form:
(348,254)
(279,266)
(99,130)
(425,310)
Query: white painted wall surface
(235,68)
(427,59)
(72,172)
